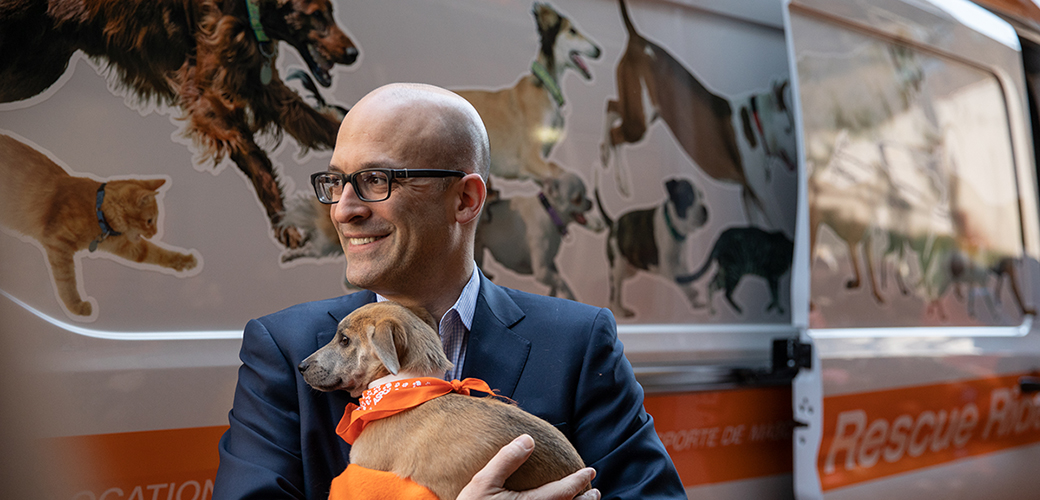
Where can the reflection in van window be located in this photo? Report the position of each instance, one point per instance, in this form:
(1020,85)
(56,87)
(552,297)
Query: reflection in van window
(913,206)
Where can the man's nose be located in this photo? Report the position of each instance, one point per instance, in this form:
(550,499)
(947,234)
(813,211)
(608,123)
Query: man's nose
(349,207)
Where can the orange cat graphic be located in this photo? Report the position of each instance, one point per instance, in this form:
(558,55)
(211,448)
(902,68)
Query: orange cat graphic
(66,214)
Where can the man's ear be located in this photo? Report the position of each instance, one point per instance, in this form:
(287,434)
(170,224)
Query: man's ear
(471,195)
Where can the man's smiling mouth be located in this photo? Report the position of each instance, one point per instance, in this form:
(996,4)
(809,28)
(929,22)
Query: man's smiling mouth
(362,241)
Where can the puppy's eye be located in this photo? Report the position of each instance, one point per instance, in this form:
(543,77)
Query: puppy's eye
(344,340)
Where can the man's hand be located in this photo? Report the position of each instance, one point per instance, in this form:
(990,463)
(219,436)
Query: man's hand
(487,484)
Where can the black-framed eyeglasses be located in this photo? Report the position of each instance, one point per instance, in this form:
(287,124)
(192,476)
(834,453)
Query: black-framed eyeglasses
(372,184)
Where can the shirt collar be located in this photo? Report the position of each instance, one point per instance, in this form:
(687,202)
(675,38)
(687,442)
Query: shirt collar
(466,305)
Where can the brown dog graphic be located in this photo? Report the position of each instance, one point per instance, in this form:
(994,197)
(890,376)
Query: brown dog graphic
(211,58)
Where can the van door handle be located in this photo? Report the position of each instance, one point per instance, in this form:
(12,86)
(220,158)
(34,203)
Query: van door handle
(1029,385)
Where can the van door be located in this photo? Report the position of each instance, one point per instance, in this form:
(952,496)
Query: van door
(917,253)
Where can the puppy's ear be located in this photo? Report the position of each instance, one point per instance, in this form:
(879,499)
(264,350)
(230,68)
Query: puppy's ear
(383,344)
(425,316)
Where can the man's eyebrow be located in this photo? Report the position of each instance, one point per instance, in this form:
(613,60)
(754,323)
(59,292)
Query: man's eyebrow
(366,166)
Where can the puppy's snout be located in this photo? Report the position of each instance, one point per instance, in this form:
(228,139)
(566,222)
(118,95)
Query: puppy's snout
(304,366)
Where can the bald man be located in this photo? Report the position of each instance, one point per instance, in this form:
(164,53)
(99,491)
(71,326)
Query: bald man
(407,181)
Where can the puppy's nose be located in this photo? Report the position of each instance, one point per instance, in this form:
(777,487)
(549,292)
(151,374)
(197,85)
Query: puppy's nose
(304,365)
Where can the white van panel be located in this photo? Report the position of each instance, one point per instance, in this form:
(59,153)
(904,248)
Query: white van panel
(908,387)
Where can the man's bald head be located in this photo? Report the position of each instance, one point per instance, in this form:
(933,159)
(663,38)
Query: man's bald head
(440,126)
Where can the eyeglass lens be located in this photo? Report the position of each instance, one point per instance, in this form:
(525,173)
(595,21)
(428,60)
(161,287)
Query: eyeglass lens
(370,185)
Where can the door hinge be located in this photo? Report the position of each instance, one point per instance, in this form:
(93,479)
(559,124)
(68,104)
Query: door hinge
(791,355)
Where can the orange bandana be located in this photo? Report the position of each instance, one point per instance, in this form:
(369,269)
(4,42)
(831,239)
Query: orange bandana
(394,397)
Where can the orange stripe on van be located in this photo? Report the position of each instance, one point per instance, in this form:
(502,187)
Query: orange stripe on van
(164,464)
(721,436)
(872,435)
(712,437)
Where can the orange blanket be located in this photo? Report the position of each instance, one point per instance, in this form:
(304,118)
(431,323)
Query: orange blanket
(359,483)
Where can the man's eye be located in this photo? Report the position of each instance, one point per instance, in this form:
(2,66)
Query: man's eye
(373,180)
(332,181)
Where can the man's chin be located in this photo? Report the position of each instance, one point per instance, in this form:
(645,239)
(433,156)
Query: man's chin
(363,273)
(358,280)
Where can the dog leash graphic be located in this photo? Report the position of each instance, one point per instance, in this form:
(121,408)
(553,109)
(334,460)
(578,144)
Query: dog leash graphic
(548,81)
(106,230)
(561,226)
(671,225)
(266,71)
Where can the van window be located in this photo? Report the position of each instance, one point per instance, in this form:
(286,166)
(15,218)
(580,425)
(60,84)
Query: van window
(913,203)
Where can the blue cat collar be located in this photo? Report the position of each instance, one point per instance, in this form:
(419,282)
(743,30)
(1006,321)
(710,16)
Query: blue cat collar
(106,230)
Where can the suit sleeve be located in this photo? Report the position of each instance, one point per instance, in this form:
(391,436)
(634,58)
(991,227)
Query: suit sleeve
(613,431)
(260,453)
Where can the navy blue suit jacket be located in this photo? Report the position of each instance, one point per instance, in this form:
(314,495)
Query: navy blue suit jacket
(557,359)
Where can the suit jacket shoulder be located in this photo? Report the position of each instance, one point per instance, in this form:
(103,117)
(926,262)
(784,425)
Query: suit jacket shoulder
(562,361)
(303,328)
(282,442)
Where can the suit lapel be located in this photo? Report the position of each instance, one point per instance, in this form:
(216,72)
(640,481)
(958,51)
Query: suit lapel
(494,352)
(339,311)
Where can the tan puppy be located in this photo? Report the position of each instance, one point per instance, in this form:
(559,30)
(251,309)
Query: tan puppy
(442,443)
